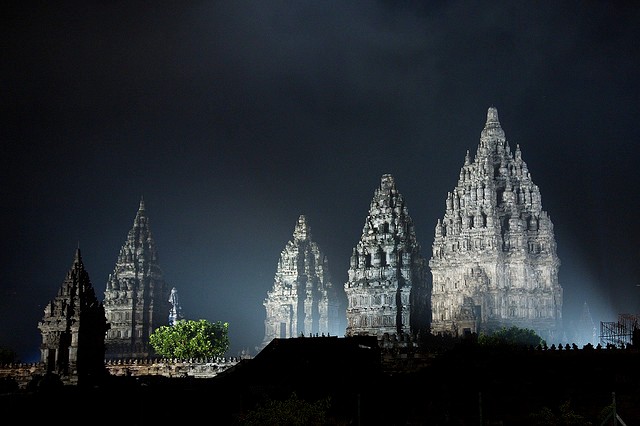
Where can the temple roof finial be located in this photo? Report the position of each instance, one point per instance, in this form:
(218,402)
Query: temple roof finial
(302,230)
(492,129)
(492,115)
(77,258)
(387,182)
(141,203)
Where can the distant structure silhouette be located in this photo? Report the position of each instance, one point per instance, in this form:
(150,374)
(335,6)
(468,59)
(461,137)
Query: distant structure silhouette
(73,330)
(587,332)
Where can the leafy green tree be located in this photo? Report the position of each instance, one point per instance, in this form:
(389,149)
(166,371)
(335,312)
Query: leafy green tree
(191,339)
(293,411)
(514,336)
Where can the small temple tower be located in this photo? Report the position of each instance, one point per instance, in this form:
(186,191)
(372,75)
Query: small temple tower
(494,261)
(176,309)
(302,301)
(388,289)
(136,299)
(586,328)
(73,330)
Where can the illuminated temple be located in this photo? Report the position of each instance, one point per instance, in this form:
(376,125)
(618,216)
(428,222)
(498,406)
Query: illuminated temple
(136,299)
(303,300)
(387,289)
(493,265)
(494,261)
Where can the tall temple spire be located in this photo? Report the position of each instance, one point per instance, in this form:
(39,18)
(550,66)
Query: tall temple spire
(494,260)
(73,329)
(587,331)
(387,288)
(137,296)
(303,300)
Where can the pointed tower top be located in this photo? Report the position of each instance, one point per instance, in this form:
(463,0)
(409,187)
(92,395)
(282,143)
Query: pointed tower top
(302,231)
(387,182)
(492,129)
(77,259)
(492,115)
(141,215)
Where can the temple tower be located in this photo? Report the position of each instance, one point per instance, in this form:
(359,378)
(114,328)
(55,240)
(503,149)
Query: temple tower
(73,330)
(494,259)
(302,300)
(136,299)
(175,314)
(388,288)
(586,331)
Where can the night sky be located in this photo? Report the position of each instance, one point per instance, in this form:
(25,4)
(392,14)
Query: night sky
(233,118)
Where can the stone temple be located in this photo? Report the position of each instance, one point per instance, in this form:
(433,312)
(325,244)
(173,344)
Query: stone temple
(137,298)
(73,329)
(303,300)
(494,261)
(387,289)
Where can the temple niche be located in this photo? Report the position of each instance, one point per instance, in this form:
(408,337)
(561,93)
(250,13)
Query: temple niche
(388,291)
(303,300)
(137,298)
(494,261)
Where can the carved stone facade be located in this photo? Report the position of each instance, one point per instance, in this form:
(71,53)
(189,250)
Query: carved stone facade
(303,299)
(136,299)
(494,259)
(73,329)
(388,290)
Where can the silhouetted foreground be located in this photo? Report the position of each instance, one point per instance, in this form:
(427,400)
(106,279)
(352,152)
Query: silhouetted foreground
(466,385)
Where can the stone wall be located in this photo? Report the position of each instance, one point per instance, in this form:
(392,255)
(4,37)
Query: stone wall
(170,367)
(20,375)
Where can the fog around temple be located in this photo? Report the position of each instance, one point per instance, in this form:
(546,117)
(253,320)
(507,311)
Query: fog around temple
(233,120)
